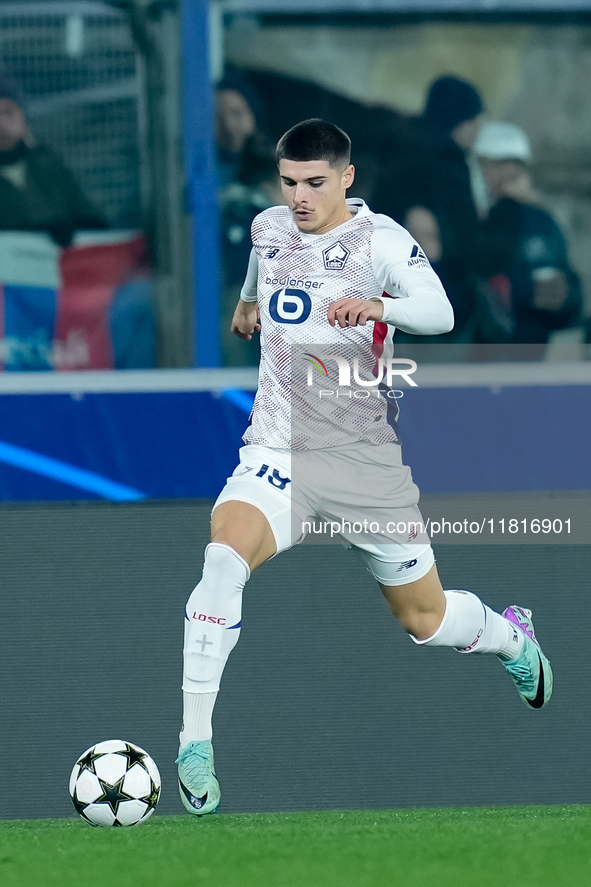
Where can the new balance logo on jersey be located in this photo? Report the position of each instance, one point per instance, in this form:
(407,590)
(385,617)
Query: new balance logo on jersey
(335,256)
(271,253)
(418,257)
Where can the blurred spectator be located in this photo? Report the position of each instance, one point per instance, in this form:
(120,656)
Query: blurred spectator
(248,182)
(240,202)
(238,135)
(429,192)
(235,125)
(529,287)
(37,192)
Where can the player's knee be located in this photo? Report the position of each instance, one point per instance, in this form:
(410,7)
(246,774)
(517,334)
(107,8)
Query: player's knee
(217,599)
(419,622)
(245,530)
(223,562)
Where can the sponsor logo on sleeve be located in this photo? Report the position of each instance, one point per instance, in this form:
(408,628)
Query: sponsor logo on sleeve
(418,259)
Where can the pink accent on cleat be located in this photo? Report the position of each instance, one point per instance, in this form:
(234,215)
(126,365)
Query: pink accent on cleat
(521,617)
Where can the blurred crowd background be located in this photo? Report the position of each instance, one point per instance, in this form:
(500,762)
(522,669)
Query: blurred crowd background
(471,130)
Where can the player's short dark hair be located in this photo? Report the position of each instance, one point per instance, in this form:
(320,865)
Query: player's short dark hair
(315,139)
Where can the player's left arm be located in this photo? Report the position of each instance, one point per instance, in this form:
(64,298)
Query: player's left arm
(418,302)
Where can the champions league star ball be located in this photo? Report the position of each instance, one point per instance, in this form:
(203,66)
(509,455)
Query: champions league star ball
(115,783)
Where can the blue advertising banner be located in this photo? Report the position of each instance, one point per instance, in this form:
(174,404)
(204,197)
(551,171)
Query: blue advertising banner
(168,436)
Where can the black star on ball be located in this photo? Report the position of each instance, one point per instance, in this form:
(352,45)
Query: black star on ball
(86,762)
(133,755)
(113,795)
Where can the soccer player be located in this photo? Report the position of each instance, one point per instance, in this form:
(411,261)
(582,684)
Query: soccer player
(325,269)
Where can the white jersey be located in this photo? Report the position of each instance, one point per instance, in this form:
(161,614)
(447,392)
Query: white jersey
(294,277)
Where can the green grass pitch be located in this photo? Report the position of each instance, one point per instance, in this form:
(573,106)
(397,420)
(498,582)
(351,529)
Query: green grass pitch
(485,846)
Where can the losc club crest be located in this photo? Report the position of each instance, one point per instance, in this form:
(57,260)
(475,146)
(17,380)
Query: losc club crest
(335,256)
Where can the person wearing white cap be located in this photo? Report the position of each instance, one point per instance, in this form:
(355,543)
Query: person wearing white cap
(502,141)
(523,254)
(504,152)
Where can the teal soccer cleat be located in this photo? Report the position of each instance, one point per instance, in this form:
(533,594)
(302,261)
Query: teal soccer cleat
(531,671)
(198,784)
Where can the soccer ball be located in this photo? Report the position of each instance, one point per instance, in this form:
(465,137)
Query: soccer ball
(115,783)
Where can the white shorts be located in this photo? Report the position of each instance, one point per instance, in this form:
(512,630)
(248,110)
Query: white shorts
(360,493)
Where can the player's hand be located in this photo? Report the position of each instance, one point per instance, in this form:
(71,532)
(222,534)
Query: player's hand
(246,320)
(350,312)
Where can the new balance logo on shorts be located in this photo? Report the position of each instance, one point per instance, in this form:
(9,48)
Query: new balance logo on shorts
(406,565)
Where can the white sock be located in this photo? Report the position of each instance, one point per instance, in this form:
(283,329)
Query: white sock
(212,629)
(472,627)
(197,714)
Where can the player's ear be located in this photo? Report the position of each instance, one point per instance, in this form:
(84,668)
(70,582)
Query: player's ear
(348,176)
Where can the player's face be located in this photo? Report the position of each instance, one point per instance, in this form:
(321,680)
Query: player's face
(315,192)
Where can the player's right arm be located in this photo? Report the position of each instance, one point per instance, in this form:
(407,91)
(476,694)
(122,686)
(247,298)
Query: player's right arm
(245,321)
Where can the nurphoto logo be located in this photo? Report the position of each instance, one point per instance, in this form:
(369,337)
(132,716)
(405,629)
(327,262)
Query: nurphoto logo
(386,369)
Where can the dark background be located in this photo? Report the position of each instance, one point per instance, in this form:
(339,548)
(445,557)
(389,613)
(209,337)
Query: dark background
(325,702)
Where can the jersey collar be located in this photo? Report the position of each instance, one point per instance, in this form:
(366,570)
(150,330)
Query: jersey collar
(357,206)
